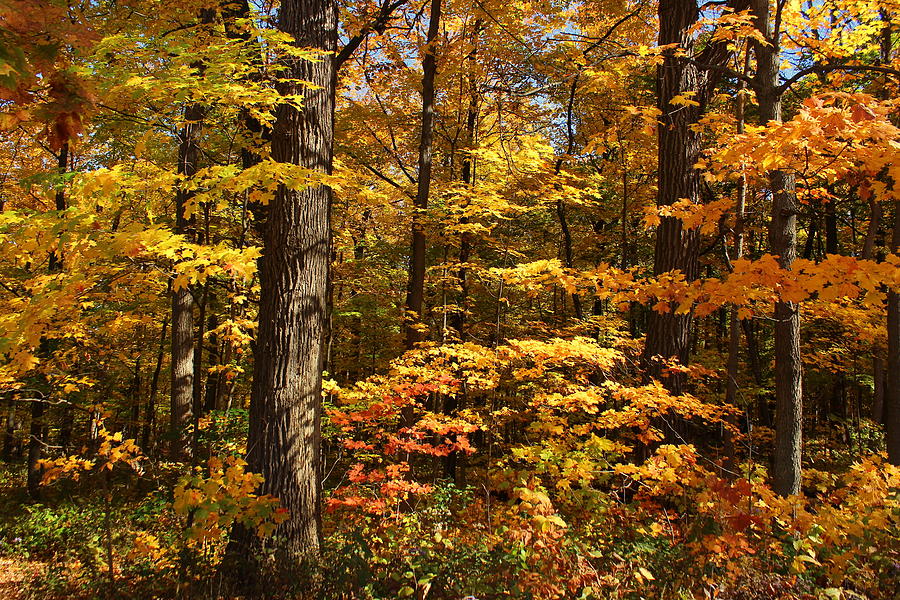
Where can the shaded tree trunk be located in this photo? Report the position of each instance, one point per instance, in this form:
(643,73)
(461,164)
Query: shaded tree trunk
(285,404)
(35,449)
(415,294)
(891,410)
(783,243)
(182,383)
(150,409)
(568,260)
(677,248)
(37,426)
(9,433)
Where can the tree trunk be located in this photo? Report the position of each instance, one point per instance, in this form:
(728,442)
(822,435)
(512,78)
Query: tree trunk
(734,324)
(150,409)
(891,408)
(213,380)
(9,433)
(415,294)
(668,334)
(568,259)
(458,319)
(35,449)
(783,243)
(36,428)
(285,404)
(182,386)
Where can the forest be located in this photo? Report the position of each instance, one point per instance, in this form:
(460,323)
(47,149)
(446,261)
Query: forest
(450,299)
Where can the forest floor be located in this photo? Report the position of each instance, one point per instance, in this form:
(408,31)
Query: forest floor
(14,576)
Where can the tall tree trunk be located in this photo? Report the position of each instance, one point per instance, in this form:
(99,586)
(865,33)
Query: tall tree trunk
(37,427)
(891,410)
(783,243)
(285,404)
(458,319)
(677,248)
(568,260)
(150,409)
(734,325)
(35,449)
(415,293)
(9,433)
(182,385)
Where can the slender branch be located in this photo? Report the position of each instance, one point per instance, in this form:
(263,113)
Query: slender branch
(378,25)
(822,69)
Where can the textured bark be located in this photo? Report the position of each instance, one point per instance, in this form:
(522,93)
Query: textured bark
(783,243)
(285,404)
(182,383)
(891,401)
(668,334)
(415,292)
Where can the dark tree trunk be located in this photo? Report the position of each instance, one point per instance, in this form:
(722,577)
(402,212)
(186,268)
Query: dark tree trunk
(213,381)
(458,319)
(37,427)
(831,228)
(150,409)
(285,405)
(568,259)
(9,433)
(415,293)
(677,248)
(891,408)
(783,243)
(35,449)
(182,385)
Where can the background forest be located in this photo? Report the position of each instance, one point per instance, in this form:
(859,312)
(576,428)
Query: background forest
(440,299)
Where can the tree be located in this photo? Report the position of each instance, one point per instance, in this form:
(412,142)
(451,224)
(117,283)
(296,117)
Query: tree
(783,243)
(285,404)
(685,80)
(415,295)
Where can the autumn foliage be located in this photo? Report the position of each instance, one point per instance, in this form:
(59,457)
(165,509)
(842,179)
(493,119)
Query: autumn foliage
(565,415)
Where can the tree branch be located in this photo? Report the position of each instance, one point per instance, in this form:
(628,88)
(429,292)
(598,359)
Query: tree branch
(378,25)
(822,69)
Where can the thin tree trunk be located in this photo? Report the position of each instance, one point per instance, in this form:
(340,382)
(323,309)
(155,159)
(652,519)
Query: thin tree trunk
(783,243)
(892,389)
(458,319)
(37,426)
(568,260)
(35,449)
(831,228)
(453,402)
(415,295)
(213,381)
(734,325)
(150,409)
(9,434)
